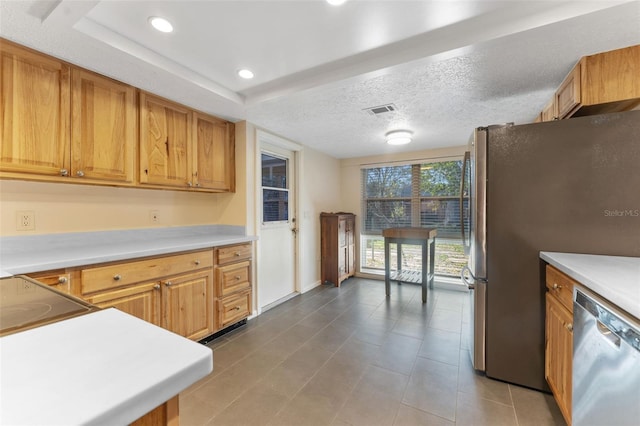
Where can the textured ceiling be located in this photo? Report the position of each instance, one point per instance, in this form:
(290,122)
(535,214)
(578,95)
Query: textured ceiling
(448,66)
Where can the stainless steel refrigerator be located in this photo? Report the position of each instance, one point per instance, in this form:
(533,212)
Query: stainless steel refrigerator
(568,186)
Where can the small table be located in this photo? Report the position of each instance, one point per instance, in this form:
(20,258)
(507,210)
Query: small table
(423,237)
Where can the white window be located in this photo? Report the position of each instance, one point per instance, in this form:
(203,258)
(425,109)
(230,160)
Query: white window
(419,195)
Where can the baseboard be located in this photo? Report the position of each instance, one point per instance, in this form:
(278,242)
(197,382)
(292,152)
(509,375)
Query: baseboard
(310,287)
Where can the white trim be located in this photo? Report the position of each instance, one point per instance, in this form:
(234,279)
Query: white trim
(309,287)
(271,139)
(411,162)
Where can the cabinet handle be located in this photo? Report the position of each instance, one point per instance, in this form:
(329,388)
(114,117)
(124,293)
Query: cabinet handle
(64,172)
(237,254)
(62,280)
(80,173)
(237,308)
(117,277)
(556,286)
(198,185)
(237,277)
(156,287)
(569,327)
(168,283)
(189,184)
(197,262)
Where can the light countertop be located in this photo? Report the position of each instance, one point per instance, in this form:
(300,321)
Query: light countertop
(615,278)
(35,253)
(106,367)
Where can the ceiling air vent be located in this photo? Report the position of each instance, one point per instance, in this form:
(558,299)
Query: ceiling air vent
(381,109)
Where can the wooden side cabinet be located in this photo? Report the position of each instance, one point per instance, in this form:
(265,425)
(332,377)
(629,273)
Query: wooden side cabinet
(337,247)
(559,338)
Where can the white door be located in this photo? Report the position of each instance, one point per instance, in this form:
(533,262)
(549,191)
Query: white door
(276,269)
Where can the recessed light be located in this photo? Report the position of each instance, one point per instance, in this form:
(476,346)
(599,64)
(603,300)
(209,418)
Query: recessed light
(398,137)
(161,24)
(335,2)
(245,73)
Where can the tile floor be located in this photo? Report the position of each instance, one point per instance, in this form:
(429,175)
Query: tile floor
(349,356)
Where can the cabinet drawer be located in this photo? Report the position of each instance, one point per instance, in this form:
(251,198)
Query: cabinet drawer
(234,308)
(61,280)
(233,253)
(121,274)
(560,286)
(232,278)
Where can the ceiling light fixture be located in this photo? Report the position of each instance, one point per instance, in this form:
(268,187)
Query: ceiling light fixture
(245,73)
(398,137)
(161,24)
(335,2)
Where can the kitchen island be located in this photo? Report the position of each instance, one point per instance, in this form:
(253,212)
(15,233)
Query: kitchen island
(105,367)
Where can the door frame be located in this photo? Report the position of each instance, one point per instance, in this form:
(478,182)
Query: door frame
(264,138)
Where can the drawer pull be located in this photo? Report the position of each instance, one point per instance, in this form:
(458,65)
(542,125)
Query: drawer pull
(236,308)
(237,254)
(62,280)
(197,262)
(237,277)
(556,286)
(117,277)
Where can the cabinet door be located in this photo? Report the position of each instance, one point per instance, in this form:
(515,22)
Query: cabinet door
(188,304)
(35,111)
(568,95)
(214,153)
(559,354)
(165,143)
(141,300)
(104,128)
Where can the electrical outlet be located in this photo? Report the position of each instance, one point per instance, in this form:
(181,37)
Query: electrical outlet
(25,220)
(154,216)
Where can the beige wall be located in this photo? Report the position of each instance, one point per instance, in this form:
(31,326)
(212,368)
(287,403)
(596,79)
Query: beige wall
(320,182)
(61,208)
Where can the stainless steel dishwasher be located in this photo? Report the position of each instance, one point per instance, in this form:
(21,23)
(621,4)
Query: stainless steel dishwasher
(606,363)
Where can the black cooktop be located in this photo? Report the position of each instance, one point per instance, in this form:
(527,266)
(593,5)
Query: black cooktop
(25,303)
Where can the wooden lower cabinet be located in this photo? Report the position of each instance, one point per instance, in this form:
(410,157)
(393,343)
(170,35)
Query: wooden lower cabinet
(559,338)
(139,300)
(188,304)
(193,294)
(166,414)
(559,354)
(233,283)
(175,292)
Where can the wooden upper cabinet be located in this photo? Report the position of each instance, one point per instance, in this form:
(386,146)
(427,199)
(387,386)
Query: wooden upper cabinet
(597,84)
(165,142)
(103,128)
(214,153)
(34,107)
(568,95)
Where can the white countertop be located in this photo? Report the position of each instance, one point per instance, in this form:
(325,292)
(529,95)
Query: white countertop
(615,278)
(106,367)
(35,253)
